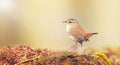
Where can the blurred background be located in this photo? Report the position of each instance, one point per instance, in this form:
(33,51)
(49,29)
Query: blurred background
(38,23)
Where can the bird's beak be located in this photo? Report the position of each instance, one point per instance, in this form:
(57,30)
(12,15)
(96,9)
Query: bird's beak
(63,21)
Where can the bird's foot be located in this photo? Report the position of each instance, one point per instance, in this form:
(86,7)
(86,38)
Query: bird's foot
(75,48)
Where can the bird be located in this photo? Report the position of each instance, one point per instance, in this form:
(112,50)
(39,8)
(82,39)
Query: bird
(76,32)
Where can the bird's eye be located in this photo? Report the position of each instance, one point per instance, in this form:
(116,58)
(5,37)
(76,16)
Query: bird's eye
(70,22)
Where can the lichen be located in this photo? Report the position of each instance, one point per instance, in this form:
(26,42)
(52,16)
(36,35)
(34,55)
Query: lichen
(100,55)
(25,55)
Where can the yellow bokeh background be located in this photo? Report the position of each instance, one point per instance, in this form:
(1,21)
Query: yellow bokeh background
(38,23)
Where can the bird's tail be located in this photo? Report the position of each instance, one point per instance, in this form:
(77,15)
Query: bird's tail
(88,35)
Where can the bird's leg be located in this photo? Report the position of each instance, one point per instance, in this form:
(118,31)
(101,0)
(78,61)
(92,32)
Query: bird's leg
(74,47)
(81,49)
(81,46)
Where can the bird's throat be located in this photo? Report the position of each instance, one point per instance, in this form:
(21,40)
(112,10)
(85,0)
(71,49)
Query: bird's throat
(68,27)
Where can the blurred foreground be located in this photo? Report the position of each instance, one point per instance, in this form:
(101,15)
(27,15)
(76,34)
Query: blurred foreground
(24,55)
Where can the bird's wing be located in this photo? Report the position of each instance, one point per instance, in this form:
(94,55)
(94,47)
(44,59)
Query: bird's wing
(78,33)
(79,28)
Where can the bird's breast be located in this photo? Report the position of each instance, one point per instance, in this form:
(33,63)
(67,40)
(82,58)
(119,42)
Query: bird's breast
(72,37)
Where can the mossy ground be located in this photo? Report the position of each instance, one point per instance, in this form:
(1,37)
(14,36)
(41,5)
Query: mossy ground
(24,55)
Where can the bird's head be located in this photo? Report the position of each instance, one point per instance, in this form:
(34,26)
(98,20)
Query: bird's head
(71,22)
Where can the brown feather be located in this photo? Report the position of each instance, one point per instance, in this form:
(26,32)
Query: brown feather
(88,35)
(78,33)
